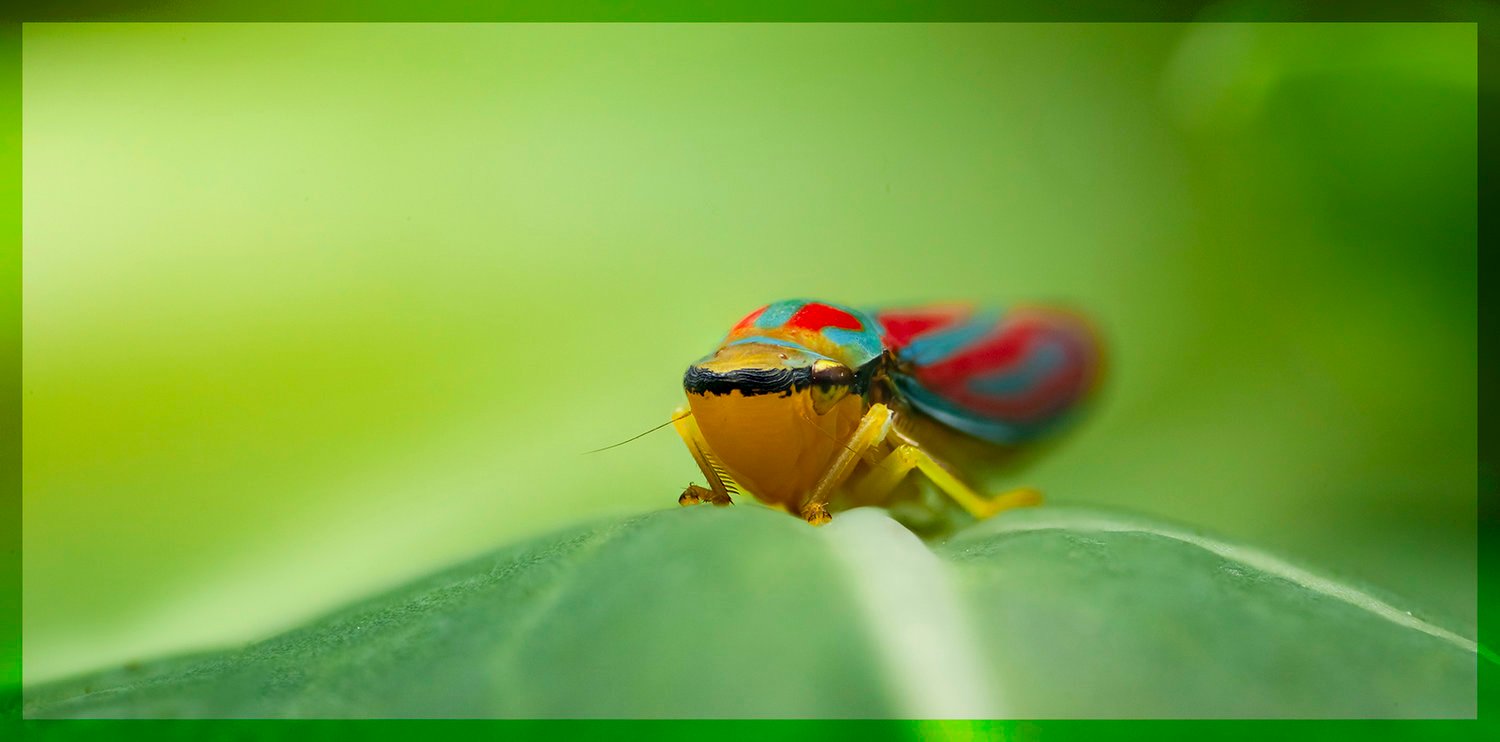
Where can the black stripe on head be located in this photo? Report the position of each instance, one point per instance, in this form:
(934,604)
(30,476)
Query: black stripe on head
(747,381)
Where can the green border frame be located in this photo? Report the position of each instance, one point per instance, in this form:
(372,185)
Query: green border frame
(1486,16)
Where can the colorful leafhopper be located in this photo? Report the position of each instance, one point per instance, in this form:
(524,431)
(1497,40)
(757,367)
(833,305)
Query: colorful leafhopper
(814,408)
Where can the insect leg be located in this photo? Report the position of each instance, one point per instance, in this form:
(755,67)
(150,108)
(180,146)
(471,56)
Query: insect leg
(889,472)
(720,485)
(871,431)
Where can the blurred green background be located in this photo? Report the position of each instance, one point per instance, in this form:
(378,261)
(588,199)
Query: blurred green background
(310,310)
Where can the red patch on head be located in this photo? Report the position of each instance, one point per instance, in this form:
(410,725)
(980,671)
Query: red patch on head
(748,320)
(814,316)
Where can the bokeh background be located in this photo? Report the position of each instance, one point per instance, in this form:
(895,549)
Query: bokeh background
(311,310)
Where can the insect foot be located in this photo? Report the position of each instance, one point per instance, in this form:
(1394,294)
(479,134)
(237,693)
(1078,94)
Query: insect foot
(816,514)
(693,495)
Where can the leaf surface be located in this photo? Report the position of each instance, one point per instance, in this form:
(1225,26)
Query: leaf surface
(745,612)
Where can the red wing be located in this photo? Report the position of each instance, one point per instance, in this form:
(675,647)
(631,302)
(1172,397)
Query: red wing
(1004,376)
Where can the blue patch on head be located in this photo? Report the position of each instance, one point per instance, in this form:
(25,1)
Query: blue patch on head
(777,314)
(867,343)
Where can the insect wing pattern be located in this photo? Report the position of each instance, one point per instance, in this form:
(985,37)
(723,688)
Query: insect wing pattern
(1006,376)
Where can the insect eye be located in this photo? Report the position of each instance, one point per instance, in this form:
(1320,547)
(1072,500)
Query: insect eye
(831,382)
(830,373)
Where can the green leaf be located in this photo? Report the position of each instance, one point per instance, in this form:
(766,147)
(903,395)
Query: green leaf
(746,612)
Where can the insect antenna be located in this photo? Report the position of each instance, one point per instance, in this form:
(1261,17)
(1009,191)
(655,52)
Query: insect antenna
(653,430)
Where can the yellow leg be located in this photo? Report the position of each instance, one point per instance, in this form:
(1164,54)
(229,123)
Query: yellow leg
(871,431)
(720,485)
(885,476)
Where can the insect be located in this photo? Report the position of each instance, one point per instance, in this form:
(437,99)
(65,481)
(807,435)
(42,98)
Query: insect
(813,407)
